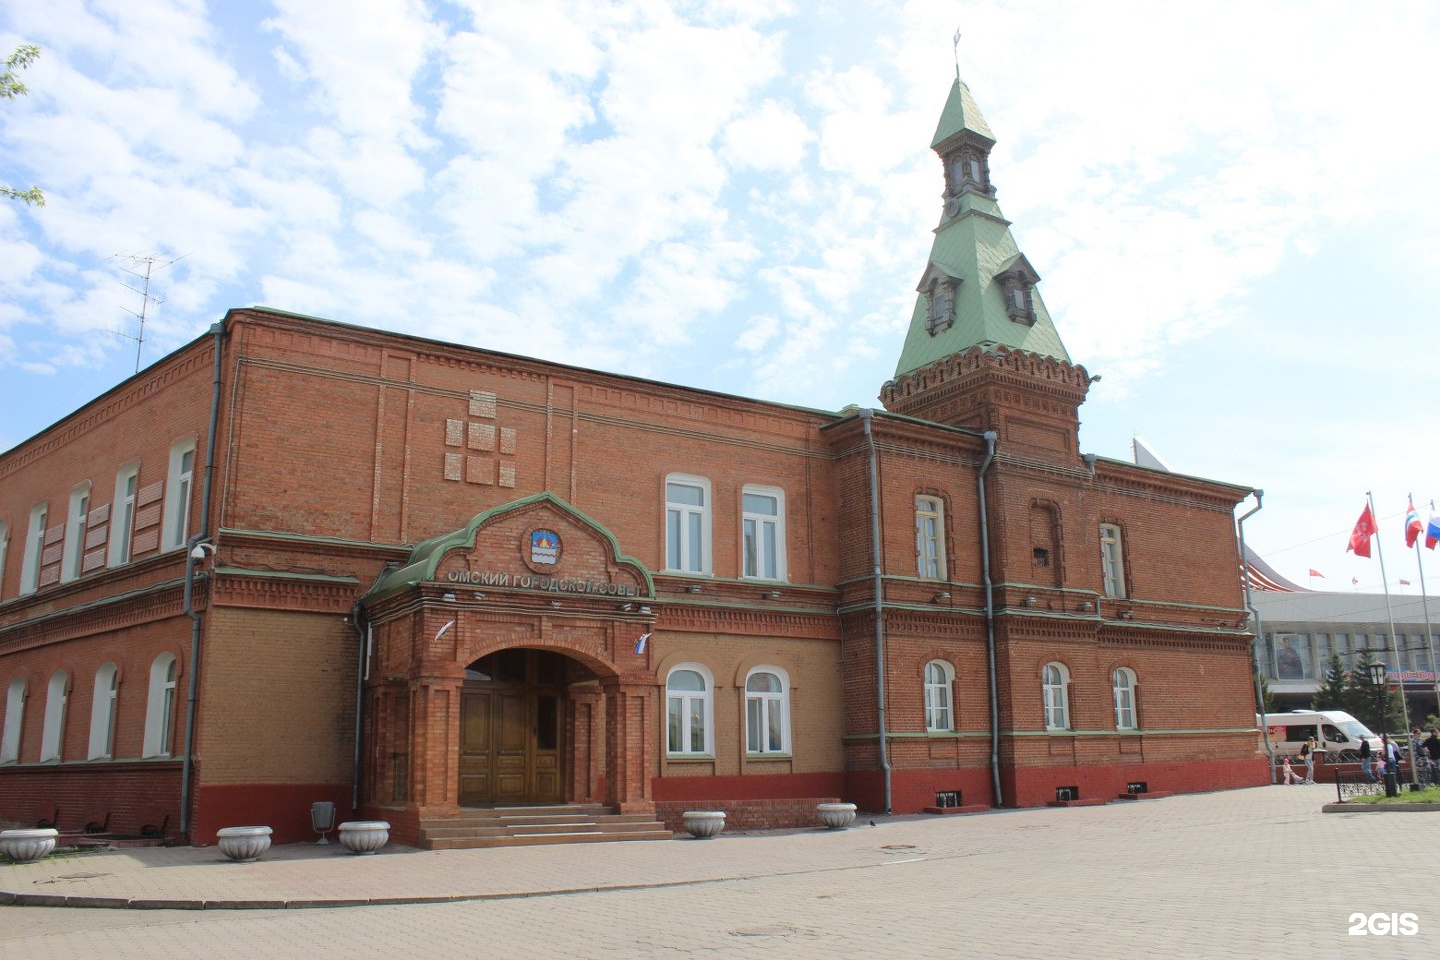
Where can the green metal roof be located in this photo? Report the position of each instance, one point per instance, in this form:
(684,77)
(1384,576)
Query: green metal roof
(426,555)
(973,247)
(960,114)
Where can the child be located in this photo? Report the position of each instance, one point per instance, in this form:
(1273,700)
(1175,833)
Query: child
(1289,773)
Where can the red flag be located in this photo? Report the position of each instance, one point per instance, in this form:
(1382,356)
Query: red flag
(1316,573)
(1360,537)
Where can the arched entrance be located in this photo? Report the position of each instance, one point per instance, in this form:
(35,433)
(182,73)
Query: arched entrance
(514,708)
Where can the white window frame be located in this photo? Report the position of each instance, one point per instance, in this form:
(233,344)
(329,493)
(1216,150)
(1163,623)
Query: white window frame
(939,697)
(756,562)
(72,561)
(14,720)
(160,706)
(122,514)
(52,735)
(4,548)
(680,706)
(34,549)
(102,712)
(1055,684)
(1112,560)
(930,537)
(684,523)
(767,711)
(179,486)
(1123,686)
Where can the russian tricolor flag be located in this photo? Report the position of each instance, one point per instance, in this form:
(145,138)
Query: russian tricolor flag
(1432,532)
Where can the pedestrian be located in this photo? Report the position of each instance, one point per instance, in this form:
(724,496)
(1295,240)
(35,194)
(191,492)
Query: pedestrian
(1289,772)
(1307,753)
(1390,756)
(1432,749)
(1367,759)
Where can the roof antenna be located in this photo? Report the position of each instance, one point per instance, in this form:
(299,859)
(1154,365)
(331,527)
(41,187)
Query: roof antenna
(957,54)
(150,263)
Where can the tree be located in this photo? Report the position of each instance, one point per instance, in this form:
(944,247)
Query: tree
(1361,697)
(10,88)
(1332,692)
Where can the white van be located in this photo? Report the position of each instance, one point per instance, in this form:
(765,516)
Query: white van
(1336,733)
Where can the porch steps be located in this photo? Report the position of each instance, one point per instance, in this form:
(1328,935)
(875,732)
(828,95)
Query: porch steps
(522,826)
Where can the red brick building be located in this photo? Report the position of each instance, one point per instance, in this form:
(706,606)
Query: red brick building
(297,561)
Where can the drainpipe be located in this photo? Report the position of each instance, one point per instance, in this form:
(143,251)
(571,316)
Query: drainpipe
(363,638)
(195,549)
(990,437)
(878,589)
(1249,605)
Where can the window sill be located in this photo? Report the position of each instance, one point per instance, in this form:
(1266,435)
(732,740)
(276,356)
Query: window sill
(768,756)
(690,757)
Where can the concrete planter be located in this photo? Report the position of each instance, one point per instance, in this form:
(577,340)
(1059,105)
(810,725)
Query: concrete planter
(704,824)
(364,836)
(243,844)
(835,816)
(23,846)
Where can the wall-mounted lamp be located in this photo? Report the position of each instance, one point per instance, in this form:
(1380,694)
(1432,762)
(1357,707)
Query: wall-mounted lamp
(555,604)
(626,607)
(1086,607)
(772,595)
(449,597)
(1029,601)
(644,609)
(942,595)
(1126,614)
(693,588)
(478,595)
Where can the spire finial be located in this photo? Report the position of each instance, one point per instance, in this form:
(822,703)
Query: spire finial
(957,53)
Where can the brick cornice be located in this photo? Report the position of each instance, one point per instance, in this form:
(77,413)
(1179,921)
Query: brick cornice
(160,602)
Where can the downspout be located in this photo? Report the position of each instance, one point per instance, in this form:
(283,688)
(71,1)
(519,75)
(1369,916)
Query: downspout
(363,638)
(198,544)
(878,588)
(990,437)
(1249,605)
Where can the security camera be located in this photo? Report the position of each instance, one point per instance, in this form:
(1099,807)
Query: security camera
(198,551)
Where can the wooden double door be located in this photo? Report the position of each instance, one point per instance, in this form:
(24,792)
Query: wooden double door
(511,729)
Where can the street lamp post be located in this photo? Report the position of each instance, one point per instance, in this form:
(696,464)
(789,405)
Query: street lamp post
(1377,680)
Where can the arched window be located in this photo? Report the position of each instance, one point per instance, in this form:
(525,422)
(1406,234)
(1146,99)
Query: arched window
(1125,699)
(102,713)
(939,678)
(122,514)
(4,542)
(689,730)
(1057,696)
(160,708)
(52,735)
(767,711)
(14,718)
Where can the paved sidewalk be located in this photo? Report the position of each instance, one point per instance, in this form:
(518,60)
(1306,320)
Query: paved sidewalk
(311,875)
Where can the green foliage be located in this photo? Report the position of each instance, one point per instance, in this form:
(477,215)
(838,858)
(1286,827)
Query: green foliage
(1332,695)
(1354,693)
(10,88)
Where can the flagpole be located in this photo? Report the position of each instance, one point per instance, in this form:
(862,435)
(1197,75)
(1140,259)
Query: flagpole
(1425,604)
(1390,616)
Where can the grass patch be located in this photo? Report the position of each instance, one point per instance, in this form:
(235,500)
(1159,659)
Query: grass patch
(1428,795)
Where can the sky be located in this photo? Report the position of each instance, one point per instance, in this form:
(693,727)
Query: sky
(1232,206)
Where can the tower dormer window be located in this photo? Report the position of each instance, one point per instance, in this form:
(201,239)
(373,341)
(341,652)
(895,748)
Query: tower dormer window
(941,315)
(1017,281)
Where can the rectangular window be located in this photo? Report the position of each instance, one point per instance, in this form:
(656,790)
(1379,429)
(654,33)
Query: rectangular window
(122,517)
(176,528)
(687,524)
(4,543)
(929,533)
(75,532)
(34,549)
(763,533)
(1112,560)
